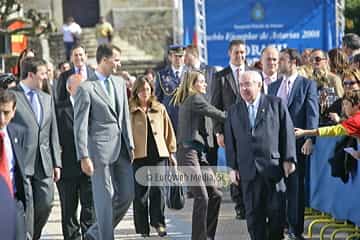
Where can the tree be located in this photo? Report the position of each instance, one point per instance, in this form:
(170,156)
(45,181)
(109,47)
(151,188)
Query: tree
(35,23)
(352,16)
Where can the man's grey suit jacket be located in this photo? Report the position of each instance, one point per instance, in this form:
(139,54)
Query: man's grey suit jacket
(41,144)
(101,130)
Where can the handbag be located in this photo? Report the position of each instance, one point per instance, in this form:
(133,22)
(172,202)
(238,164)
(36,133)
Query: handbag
(175,197)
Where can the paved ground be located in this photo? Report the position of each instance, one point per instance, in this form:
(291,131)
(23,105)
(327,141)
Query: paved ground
(178,224)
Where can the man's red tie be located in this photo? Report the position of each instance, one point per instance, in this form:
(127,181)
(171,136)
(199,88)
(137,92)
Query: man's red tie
(4,164)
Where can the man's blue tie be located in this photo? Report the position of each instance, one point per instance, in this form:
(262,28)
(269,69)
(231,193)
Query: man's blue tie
(252,115)
(34,106)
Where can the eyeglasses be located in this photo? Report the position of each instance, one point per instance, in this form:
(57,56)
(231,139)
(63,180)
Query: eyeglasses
(317,59)
(349,82)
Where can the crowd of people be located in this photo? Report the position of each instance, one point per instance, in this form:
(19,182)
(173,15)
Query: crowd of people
(89,131)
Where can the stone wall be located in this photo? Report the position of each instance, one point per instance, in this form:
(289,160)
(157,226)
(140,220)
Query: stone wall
(150,29)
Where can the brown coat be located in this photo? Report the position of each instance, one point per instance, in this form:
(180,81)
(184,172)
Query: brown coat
(161,126)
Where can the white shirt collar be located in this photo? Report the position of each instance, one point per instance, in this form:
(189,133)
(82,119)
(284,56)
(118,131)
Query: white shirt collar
(272,77)
(234,68)
(72,100)
(180,69)
(100,76)
(25,88)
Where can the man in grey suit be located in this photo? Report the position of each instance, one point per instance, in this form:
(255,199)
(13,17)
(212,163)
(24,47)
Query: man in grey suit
(36,113)
(260,148)
(104,142)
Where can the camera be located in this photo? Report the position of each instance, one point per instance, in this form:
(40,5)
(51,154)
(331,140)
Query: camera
(7,80)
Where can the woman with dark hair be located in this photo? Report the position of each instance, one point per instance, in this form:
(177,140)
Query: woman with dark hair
(155,143)
(192,148)
(27,52)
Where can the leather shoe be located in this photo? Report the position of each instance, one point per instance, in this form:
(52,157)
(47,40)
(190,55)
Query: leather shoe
(144,235)
(88,237)
(161,230)
(292,236)
(240,214)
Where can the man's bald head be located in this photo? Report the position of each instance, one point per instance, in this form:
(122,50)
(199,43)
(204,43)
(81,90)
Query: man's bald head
(270,60)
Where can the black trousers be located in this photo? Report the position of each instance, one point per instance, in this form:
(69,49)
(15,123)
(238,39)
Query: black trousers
(20,220)
(149,199)
(265,209)
(71,191)
(207,197)
(295,195)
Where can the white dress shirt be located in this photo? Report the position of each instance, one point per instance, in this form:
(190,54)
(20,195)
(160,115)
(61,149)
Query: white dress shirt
(35,99)
(282,92)
(83,72)
(271,78)
(69,31)
(256,104)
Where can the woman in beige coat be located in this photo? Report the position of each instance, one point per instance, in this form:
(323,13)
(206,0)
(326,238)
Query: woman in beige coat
(155,143)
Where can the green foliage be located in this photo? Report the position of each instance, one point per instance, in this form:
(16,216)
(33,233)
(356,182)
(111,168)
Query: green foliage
(352,15)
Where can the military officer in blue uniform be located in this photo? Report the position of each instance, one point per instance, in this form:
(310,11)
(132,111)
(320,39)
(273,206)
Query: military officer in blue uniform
(168,79)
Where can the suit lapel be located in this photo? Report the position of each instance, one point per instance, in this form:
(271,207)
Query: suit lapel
(26,103)
(274,87)
(231,79)
(293,91)
(261,110)
(243,111)
(44,108)
(16,140)
(117,92)
(102,94)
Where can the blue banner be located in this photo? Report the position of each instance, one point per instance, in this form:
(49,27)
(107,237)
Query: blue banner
(295,24)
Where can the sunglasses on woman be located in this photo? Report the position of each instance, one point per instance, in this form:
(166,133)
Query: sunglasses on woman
(349,82)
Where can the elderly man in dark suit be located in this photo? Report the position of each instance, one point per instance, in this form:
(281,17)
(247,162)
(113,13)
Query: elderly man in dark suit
(74,185)
(260,147)
(224,93)
(35,112)
(12,167)
(300,96)
(79,66)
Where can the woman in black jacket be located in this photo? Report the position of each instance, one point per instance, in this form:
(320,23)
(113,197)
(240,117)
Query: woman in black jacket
(192,145)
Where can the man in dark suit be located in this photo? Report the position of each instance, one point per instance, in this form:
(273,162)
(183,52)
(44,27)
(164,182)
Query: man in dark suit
(74,185)
(300,96)
(78,60)
(12,150)
(36,113)
(260,147)
(224,93)
(168,79)
(192,62)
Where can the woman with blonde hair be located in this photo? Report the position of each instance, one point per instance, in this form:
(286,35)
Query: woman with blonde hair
(192,148)
(155,143)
